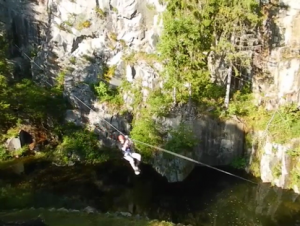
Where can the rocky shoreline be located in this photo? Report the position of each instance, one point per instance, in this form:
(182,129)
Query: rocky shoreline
(39,221)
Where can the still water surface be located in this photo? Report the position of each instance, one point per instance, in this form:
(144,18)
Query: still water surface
(207,197)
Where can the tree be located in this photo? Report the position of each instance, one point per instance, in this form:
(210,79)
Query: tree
(195,29)
(242,18)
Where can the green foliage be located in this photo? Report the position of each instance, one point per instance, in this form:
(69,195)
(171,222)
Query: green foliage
(73,60)
(181,47)
(64,26)
(19,152)
(13,197)
(83,25)
(5,67)
(145,130)
(294,174)
(134,57)
(133,90)
(192,30)
(81,142)
(90,59)
(239,163)
(295,178)
(182,139)
(60,79)
(158,103)
(6,116)
(123,43)
(294,152)
(3,153)
(242,103)
(109,72)
(25,100)
(151,7)
(114,9)
(76,219)
(107,94)
(255,166)
(113,36)
(36,102)
(276,170)
(282,124)
(100,12)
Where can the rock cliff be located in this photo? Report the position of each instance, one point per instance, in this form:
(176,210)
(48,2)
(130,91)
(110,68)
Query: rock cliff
(73,43)
(275,161)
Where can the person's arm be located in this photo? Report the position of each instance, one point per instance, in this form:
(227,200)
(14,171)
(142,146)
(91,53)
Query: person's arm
(125,145)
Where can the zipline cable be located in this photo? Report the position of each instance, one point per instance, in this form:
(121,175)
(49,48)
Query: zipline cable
(155,147)
(167,151)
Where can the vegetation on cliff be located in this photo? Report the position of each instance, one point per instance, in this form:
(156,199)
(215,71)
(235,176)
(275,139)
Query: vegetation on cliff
(195,31)
(196,35)
(51,218)
(41,111)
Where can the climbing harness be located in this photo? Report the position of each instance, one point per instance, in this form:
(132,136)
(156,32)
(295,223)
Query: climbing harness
(152,146)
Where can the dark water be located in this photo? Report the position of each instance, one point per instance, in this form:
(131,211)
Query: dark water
(206,197)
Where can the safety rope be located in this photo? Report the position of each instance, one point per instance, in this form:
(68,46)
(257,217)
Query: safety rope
(149,145)
(167,151)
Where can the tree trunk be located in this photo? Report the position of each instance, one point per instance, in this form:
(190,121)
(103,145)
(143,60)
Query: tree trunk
(229,75)
(174,96)
(228,86)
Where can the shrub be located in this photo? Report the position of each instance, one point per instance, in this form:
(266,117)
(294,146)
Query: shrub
(107,94)
(182,139)
(81,143)
(145,130)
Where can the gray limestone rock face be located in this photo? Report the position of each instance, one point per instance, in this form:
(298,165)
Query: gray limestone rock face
(74,116)
(13,144)
(71,36)
(81,97)
(218,144)
(126,8)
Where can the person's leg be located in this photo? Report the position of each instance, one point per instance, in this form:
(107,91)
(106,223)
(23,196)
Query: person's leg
(131,161)
(137,156)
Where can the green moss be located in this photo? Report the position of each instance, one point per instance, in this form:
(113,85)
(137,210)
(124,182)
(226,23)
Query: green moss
(113,36)
(61,79)
(114,9)
(53,218)
(276,170)
(109,72)
(239,163)
(134,57)
(108,94)
(73,60)
(151,7)
(100,12)
(123,43)
(83,25)
(255,167)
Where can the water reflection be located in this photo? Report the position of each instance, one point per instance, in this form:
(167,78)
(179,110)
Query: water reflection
(206,197)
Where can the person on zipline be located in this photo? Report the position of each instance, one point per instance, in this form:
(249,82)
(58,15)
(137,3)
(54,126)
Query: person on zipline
(129,155)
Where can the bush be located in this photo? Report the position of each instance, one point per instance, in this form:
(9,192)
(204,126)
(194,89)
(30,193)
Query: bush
(82,143)
(158,103)
(239,163)
(107,94)
(182,139)
(145,130)
(3,153)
